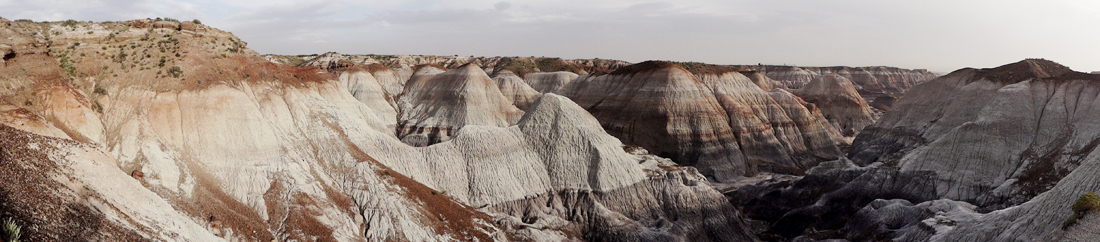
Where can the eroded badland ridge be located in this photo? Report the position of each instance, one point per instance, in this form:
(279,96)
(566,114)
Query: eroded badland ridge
(176,131)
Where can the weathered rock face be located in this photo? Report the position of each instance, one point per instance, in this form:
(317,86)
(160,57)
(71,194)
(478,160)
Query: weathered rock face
(877,85)
(546,82)
(259,153)
(438,107)
(761,80)
(876,79)
(839,102)
(365,88)
(790,76)
(723,124)
(1017,141)
(1027,139)
(62,190)
(515,89)
(5,53)
(557,169)
(272,151)
(775,130)
(1018,123)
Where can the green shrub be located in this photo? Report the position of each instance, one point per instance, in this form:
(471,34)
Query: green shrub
(97,107)
(12,230)
(69,23)
(1086,203)
(175,71)
(100,91)
(196,21)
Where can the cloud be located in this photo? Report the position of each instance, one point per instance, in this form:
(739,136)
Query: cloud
(936,34)
(97,10)
(501,6)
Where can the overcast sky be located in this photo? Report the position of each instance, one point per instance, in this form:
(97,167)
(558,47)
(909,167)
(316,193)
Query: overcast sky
(939,35)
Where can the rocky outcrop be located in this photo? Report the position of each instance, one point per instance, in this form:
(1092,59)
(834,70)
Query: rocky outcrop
(775,130)
(61,190)
(515,89)
(5,53)
(365,88)
(876,79)
(761,80)
(839,102)
(1017,141)
(546,82)
(1018,137)
(723,124)
(1018,123)
(417,79)
(557,169)
(258,153)
(791,76)
(389,79)
(878,85)
(438,107)
(521,66)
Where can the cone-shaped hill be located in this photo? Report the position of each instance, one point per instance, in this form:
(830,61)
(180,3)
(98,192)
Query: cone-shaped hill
(437,107)
(514,88)
(557,169)
(718,121)
(839,101)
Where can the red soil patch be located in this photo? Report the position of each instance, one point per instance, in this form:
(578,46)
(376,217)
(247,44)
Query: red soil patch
(452,217)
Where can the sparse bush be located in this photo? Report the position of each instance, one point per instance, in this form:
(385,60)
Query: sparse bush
(121,56)
(69,23)
(196,21)
(1086,203)
(28,102)
(100,91)
(175,71)
(12,230)
(97,107)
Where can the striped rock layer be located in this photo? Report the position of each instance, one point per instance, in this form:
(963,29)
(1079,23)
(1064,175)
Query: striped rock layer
(723,124)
